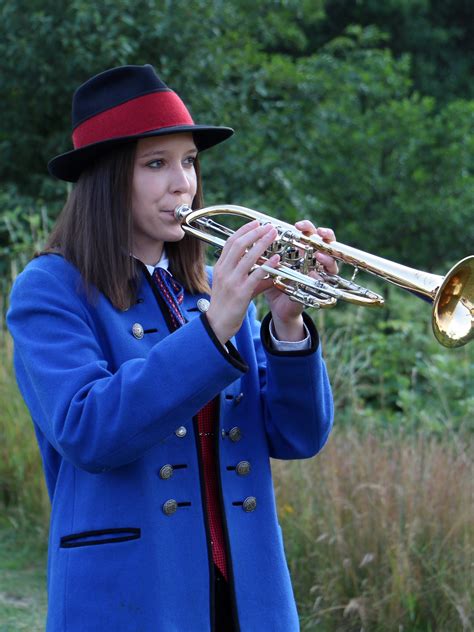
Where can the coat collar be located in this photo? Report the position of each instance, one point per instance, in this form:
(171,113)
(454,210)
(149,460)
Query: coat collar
(190,301)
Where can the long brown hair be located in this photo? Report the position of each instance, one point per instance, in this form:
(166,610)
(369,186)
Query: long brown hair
(94,232)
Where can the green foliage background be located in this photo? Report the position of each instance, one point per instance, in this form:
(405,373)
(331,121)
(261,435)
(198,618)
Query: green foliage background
(356,114)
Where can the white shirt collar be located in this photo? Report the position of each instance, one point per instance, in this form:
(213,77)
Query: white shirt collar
(162,263)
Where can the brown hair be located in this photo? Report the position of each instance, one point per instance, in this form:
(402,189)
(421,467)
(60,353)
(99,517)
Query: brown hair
(94,232)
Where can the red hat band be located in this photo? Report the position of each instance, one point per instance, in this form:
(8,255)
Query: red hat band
(144,114)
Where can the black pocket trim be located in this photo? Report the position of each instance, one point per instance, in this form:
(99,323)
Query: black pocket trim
(84,538)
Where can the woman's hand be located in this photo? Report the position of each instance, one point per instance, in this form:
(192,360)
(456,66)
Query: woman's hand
(286,314)
(233,285)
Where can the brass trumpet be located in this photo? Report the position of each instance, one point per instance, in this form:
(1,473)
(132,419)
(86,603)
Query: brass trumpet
(452,296)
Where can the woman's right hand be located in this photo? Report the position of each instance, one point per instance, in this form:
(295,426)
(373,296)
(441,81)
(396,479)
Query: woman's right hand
(233,285)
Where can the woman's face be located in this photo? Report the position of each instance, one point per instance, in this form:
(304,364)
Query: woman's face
(163,177)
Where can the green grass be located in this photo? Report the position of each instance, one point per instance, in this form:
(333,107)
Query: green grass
(22,488)
(22,577)
(23,510)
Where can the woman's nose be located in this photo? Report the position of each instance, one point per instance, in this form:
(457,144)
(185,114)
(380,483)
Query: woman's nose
(179,181)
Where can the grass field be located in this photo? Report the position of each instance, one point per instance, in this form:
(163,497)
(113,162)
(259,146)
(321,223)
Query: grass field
(379,535)
(22,578)
(379,528)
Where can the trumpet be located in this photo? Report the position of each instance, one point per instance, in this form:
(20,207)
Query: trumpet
(452,295)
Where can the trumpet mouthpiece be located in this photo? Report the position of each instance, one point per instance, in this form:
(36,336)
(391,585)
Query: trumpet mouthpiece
(181,211)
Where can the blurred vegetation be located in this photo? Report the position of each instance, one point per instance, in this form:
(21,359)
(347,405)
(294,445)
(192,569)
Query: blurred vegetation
(336,119)
(388,371)
(379,534)
(379,528)
(23,576)
(358,115)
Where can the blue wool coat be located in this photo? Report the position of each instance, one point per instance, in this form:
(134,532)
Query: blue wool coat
(110,410)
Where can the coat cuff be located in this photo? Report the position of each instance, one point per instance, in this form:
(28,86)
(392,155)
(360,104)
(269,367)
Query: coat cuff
(229,352)
(267,341)
(293,345)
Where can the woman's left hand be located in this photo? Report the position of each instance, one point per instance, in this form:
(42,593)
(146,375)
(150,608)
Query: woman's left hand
(286,314)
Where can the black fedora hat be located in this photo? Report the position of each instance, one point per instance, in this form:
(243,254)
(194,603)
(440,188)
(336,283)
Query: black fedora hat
(121,105)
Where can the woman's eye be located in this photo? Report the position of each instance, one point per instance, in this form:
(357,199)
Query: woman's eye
(190,160)
(155,164)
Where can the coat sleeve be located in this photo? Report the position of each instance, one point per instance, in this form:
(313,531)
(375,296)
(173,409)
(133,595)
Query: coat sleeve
(97,419)
(297,397)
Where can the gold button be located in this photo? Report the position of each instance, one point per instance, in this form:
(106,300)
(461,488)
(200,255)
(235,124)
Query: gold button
(235,434)
(243,468)
(170,507)
(249,504)
(166,472)
(137,331)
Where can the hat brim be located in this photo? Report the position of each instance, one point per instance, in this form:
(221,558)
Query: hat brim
(70,165)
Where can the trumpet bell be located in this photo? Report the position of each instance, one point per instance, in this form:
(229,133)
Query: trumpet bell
(453,306)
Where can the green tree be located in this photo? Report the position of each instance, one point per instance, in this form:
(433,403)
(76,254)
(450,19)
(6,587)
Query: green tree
(437,34)
(328,128)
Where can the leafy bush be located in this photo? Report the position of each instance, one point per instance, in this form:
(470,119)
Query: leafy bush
(387,369)
(24,222)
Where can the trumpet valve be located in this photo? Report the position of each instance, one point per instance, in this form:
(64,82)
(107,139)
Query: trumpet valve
(291,257)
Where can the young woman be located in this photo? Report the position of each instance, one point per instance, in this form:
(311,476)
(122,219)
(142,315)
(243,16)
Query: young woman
(157,403)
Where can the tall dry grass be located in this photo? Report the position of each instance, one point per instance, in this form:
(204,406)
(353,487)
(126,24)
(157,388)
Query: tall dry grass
(379,528)
(379,534)
(23,495)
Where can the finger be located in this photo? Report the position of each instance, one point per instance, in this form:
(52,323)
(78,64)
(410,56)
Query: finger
(258,280)
(243,230)
(305,226)
(326,233)
(262,286)
(256,249)
(329,264)
(242,243)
